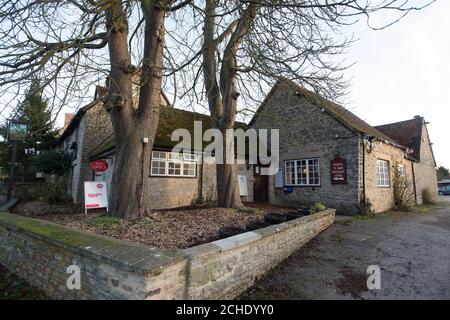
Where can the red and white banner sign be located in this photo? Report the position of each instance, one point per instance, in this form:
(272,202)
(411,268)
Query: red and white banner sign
(95,195)
(99,165)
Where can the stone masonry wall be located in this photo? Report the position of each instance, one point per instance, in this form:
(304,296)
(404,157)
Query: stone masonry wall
(170,192)
(425,170)
(308,132)
(40,252)
(224,269)
(97,127)
(382,198)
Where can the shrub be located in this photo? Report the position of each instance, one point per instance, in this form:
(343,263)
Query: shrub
(317,207)
(403,196)
(427,197)
(365,207)
(53,162)
(55,190)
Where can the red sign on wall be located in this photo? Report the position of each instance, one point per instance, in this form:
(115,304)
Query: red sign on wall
(338,171)
(99,165)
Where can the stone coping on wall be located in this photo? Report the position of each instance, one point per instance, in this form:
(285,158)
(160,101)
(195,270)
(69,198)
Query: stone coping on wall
(252,236)
(126,255)
(216,270)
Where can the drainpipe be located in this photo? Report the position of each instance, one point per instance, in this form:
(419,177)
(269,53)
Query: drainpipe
(364,172)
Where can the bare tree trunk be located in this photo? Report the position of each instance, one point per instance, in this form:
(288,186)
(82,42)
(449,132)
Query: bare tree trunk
(130,192)
(227,188)
(223,100)
(228,195)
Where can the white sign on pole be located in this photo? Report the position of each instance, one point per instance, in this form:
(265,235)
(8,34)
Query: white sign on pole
(243,191)
(95,195)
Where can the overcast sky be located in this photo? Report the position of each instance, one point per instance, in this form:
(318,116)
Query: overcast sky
(404,71)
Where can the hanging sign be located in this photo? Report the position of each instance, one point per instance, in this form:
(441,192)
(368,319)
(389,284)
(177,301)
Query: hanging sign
(99,165)
(338,171)
(17,131)
(95,195)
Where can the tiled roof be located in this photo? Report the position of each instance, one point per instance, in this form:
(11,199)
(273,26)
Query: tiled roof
(407,133)
(170,119)
(337,111)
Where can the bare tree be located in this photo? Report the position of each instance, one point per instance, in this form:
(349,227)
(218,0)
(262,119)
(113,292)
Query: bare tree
(224,49)
(63,42)
(242,47)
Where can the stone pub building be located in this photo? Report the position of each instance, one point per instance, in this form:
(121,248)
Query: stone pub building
(329,155)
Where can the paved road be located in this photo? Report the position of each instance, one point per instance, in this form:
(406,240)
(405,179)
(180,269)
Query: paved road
(412,251)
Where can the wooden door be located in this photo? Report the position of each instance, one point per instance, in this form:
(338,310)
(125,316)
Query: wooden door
(260,188)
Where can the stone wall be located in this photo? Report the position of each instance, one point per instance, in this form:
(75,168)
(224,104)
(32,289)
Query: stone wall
(308,132)
(382,198)
(40,252)
(425,170)
(98,127)
(226,268)
(170,192)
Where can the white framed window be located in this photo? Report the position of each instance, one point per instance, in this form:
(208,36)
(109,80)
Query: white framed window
(383,175)
(401,168)
(304,172)
(172,164)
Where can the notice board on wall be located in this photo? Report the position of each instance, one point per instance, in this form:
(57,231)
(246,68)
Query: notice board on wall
(338,171)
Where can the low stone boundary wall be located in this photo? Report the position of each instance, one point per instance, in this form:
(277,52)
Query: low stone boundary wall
(226,268)
(41,252)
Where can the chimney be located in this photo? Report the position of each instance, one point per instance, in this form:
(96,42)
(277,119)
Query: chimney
(417,117)
(67,118)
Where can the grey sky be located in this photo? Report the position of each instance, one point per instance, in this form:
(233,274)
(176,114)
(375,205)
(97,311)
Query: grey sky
(404,71)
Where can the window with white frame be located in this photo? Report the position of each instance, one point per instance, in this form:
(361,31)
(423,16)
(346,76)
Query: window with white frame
(383,173)
(304,172)
(173,164)
(401,168)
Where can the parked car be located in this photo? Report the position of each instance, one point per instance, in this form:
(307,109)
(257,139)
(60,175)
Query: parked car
(444,191)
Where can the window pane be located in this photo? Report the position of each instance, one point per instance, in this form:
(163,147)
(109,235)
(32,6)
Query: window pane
(158,167)
(159,155)
(189,169)
(174,168)
(175,156)
(189,157)
(290,173)
(383,173)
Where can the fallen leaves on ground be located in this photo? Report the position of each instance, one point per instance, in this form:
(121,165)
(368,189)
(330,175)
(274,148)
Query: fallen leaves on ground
(180,228)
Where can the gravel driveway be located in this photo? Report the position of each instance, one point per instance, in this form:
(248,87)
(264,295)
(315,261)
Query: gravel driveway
(411,249)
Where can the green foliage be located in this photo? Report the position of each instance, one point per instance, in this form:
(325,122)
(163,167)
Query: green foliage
(104,221)
(53,162)
(33,111)
(403,196)
(55,190)
(427,197)
(443,173)
(365,207)
(317,207)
